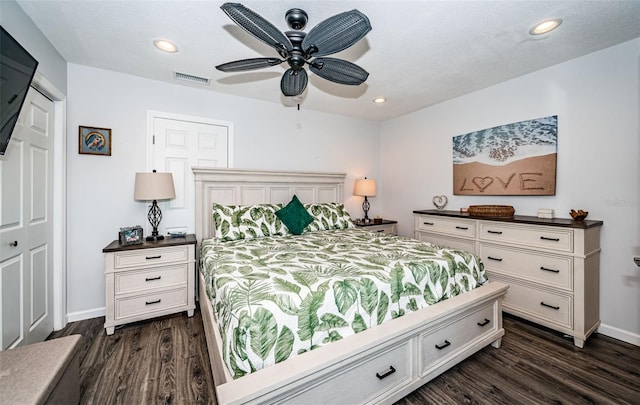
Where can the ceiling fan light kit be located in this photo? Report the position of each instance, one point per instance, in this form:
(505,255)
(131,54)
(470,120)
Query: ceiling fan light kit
(298,48)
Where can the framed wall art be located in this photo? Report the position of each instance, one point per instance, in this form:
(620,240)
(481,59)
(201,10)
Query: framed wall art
(512,159)
(94,141)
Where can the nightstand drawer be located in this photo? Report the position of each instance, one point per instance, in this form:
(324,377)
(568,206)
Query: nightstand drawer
(151,257)
(451,226)
(149,303)
(132,281)
(386,229)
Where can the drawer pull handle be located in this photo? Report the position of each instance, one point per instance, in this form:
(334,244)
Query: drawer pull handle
(464,228)
(153,302)
(442,346)
(484,323)
(153,257)
(549,306)
(380,230)
(428,223)
(387,374)
(153,278)
(496,232)
(551,239)
(497,259)
(551,270)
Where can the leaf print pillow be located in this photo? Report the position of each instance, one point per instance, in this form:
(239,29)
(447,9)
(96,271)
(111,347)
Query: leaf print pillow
(233,222)
(328,216)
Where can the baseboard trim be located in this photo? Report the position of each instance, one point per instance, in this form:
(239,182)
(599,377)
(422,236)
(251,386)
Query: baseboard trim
(620,334)
(88,314)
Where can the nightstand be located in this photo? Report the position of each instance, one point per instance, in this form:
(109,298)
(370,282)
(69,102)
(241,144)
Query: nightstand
(386,226)
(148,280)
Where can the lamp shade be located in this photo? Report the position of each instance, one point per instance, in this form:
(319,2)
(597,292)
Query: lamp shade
(365,187)
(154,186)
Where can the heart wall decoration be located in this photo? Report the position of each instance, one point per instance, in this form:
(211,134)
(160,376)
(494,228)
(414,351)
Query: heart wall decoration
(440,201)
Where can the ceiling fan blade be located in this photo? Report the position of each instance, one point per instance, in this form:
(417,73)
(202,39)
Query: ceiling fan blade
(258,27)
(339,71)
(336,33)
(248,64)
(293,82)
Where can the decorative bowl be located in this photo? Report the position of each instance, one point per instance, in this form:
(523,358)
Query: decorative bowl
(578,215)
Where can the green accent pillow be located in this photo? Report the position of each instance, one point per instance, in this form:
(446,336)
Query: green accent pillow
(294,216)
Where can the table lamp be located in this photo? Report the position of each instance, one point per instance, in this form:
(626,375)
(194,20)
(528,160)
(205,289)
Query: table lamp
(366,188)
(153,187)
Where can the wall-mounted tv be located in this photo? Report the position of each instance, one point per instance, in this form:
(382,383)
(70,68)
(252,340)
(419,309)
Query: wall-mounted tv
(17,68)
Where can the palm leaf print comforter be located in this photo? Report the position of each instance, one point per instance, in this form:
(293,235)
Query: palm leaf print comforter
(276,297)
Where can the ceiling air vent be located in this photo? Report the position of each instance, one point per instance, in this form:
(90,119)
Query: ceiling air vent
(191,78)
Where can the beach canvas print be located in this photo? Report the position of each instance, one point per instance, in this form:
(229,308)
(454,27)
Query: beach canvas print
(512,159)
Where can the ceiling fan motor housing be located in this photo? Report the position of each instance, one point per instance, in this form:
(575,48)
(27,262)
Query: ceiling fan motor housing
(296,19)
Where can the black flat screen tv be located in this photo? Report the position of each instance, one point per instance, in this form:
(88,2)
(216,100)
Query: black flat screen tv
(17,68)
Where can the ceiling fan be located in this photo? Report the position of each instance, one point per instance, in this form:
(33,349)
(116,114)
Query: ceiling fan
(298,48)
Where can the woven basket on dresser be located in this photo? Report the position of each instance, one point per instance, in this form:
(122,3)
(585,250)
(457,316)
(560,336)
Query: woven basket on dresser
(491,210)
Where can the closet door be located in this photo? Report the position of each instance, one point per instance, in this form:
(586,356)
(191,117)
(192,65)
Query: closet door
(26,228)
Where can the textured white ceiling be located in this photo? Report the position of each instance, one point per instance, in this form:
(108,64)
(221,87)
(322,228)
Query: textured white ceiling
(419,52)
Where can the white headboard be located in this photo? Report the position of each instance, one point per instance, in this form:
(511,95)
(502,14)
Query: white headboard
(247,187)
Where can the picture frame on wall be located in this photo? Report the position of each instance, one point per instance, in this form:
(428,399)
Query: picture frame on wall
(132,235)
(94,141)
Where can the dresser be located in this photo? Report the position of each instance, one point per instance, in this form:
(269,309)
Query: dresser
(147,280)
(384,226)
(551,265)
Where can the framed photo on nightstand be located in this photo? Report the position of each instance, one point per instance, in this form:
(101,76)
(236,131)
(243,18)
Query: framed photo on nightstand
(133,235)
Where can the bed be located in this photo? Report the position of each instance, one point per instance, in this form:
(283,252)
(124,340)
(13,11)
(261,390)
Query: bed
(353,352)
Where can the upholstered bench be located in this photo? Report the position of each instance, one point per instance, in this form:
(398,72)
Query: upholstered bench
(41,373)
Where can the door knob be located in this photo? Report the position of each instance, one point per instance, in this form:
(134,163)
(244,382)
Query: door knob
(14,243)
(637,260)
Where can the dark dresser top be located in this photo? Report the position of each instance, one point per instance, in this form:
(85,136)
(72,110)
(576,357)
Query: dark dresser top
(115,246)
(521,219)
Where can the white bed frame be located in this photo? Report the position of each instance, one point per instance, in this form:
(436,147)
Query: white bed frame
(379,365)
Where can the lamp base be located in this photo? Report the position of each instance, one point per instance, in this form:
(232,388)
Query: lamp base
(154,238)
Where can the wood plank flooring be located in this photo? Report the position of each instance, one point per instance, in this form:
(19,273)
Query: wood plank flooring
(165,361)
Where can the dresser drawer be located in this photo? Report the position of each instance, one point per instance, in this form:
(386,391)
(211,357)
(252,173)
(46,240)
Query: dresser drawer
(157,277)
(440,240)
(149,303)
(151,257)
(436,346)
(529,236)
(552,270)
(452,226)
(364,380)
(532,302)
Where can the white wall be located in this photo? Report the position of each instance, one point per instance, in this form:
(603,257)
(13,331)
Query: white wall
(596,98)
(51,64)
(266,136)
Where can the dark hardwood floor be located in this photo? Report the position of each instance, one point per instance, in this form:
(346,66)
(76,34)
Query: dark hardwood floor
(165,361)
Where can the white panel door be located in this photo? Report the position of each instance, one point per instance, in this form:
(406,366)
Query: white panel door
(178,145)
(26,228)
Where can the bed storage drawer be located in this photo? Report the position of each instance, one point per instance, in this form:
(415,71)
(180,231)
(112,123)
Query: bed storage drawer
(144,304)
(158,277)
(451,226)
(530,236)
(438,345)
(552,270)
(365,380)
(151,257)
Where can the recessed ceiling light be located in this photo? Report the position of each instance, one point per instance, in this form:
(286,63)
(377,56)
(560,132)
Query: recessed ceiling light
(165,45)
(380,100)
(545,26)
